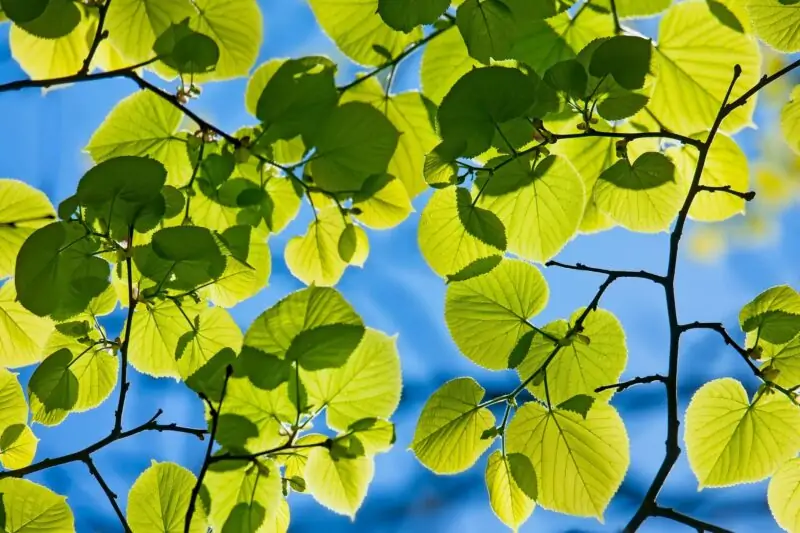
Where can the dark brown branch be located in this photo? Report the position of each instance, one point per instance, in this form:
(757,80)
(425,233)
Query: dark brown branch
(642,274)
(253,456)
(747,196)
(112,497)
(123,351)
(699,525)
(100,35)
(763,82)
(631,382)
(630,136)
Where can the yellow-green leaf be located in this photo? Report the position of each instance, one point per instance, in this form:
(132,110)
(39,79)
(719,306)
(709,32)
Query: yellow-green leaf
(29,507)
(448,435)
(17,446)
(22,334)
(774,314)
(782,495)
(143,124)
(509,502)
(50,58)
(579,462)
(776,22)
(159,500)
(731,440)
(340,484)
(296,459)
(487,314)
(13,408)
(790,119)
(22,210)
(314,257)
(357,28)
(243,276)
(383,201)
(694,70)
(367,385)
(444,61)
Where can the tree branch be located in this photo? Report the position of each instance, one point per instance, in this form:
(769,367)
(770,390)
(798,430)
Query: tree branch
(642,274)
(615,16)
(99,36)
(630,136)
(112,497)
(123,351)
(699,525)
(746,196)
(763,82)
(631,382)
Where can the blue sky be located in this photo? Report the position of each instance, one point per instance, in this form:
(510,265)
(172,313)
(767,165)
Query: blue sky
(397,293)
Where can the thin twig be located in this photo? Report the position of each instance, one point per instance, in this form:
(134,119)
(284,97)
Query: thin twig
(642,274)
(100,35)
(631,382)
(699,525)
(747,196)
(615,16)
(112,497)
(123,351)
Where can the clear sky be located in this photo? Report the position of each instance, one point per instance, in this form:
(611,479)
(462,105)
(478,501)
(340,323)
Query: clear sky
(396,292)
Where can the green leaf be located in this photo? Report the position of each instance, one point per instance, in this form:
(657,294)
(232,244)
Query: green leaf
(624,57)
(579,368)
(776,22)
(725,15)
(185,50)
(643,196)
(347,243)
(54,44)
(244,275)
(790,120)
(383,202)
(13,408)
(413,115)
(640,8)
(298,97)
(479,102)
(509,502)
(447,439)
(726,165)
(26,332)
(579,463)
(579,404)
(57,19)
(144,125)
(731,440)
(540,206)
(22,11)
(367,385)
(23,209)
(682,61)
(375,435)
(774,314)
(190,255)
(242,495)
(453,232)
(57,273)
(314,258)
(405,15)
(338,484)
(159,500)
(478,267)
(445,60)
(355,142)
(568,76)
(17,446)
(26,506)
(488,314)
(620,104)
(358,30)
(314,326)
(487,28)
(781,495)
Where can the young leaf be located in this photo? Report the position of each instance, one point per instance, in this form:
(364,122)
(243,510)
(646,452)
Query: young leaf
(447,439)
(159,500)
(28,506)
(509,502)
(731,440)
(26,332)
(781,495)
(23,209)
(17,446)
(488,314)
(579,463)
(774,314)
(405,15)
(340,484)
(13,408)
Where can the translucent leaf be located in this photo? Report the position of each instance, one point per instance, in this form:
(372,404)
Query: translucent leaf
(640,8)
(367,385)
(580,367)
(13,408)
(726,164)
(143,124)
(355,142)
(75,378)
(774,314)
(357,29)
(776,23)
(790,120)
(448,435)
(444,61)
(22,334)
(488,314)
(731,440)
(405,15)
(782,495)
(541,207)
(17,446)
(383,201)
(242,495)
(579,463)
(375,435)
(446,241)
(61,53)
(413,115)
(244,276)
(27,506)
(509,502)
(315,326)
(338,484)
(688,64)
(314,258)
(485,26)
(159,500)
(643,196)
(56,271)
(23,209)
(296,459)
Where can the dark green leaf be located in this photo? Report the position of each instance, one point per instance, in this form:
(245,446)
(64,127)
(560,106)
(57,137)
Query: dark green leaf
(59,18)
(347,243)
(521,349)
(568,77)
(625,57)
(650,170)
(208,379)
(21,11)
(480,223)
(579,404)
(725,15)
(476,268)
(487,27)
(405,15)
(186,51)
(174,201)
(523,473)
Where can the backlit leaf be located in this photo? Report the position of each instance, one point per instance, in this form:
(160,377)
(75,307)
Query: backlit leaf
(314,258)
(509,502)
(159,499)
(781,495)
(23,209)
(27,506)
(776,23)
(339,484)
